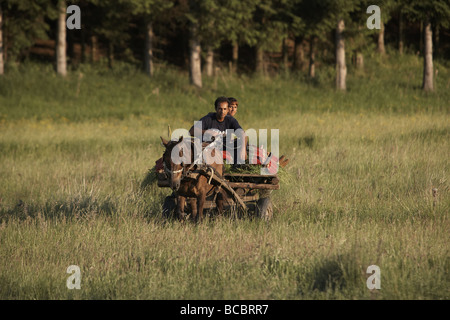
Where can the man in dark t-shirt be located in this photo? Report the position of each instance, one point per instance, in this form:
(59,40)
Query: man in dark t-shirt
(221,121)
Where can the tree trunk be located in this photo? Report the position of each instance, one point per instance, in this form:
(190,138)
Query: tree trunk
(235,56)
(312,57)
(209,62)
(61,62)
(285,54)
(94,48)
(195,67)
(400,33)
(2,61)
(259,55)
(299,54)
(341,68)
(428,58)
(110,54)
(149,50)
(359,60)
(381,47)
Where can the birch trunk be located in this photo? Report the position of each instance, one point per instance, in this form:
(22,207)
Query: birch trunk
(195,67)
(2,61)
(61,61)
(428,58)
(381,47)
(209,62)
(149,50)
(259,56)
(359,60)
(341,68)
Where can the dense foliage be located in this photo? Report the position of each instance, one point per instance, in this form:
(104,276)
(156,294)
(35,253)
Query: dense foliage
(116,30)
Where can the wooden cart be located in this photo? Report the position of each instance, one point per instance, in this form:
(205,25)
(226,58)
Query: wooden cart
(247,192)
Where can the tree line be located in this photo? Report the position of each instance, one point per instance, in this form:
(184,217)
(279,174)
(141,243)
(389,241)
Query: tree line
(240,35)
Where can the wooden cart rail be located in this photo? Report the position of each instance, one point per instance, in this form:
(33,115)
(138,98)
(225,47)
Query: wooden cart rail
(236,180)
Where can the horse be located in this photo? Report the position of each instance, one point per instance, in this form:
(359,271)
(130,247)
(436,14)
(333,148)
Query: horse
(185,187)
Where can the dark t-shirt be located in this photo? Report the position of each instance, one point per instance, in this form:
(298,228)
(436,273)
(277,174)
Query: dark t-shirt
(210,122)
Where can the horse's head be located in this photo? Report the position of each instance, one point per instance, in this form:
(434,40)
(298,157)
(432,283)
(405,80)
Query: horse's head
(174,161)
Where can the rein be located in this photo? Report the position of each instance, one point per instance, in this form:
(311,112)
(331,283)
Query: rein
(170,171)
(183,169)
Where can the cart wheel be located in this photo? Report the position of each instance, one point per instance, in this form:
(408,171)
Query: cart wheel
(264,208)
(169,206)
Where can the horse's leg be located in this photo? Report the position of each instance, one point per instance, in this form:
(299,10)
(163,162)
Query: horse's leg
(194,214)
(201,198)
(219,201)
(180,207)
(193,203)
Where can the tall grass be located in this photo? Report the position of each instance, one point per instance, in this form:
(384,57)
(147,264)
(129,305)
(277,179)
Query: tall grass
(367,184)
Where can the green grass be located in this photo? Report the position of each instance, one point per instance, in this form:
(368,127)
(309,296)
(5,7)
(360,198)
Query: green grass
(357,192)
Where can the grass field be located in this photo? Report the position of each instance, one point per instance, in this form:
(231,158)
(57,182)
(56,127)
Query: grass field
(357,192)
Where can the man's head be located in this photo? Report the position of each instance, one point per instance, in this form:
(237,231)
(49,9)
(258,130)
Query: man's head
(232,109)
(221,104)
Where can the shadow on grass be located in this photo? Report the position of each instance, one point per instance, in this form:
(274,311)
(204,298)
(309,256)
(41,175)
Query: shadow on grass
(336,274)
(70,208)
(308,141)
(328,275)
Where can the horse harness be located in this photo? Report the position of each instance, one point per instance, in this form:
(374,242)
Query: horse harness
(170,172)
(188,171)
